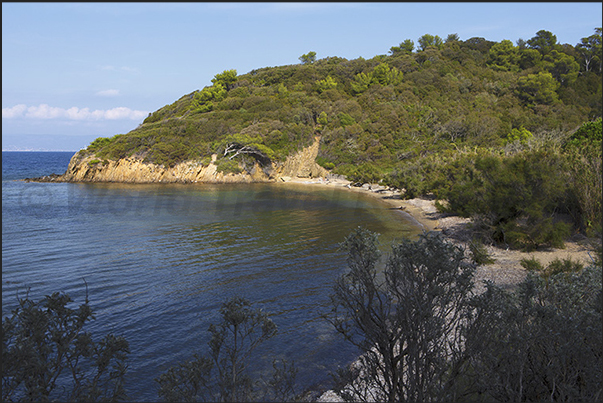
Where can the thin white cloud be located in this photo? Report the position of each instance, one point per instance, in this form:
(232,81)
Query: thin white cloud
(108,93)
(45,111)
(14,112)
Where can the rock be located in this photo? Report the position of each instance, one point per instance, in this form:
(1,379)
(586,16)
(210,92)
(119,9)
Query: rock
(85,167)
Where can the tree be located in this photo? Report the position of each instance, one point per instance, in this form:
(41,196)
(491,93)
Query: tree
(406,320)
(429,40)
(521,135)
(544,41)
(538,89)
(563,67)
(504,56)
(203,101)
(590,49)
(405,48)
(222,375)
(385,75)
(326,84)
(453,38)
(227,78)
(361,83)
(308,58)
(46,354)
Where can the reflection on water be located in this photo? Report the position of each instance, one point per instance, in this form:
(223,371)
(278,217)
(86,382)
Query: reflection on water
(160,259)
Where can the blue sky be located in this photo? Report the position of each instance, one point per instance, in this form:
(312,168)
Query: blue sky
(72,72)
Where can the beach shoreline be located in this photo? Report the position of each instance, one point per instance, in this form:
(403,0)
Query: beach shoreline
(506,271)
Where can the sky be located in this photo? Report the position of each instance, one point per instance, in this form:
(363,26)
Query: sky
(72,72)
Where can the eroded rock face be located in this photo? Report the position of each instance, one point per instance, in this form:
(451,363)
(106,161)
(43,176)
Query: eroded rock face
(87,168)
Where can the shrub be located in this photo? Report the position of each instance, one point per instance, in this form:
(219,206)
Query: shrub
(47,355)
(540,342)
(226,166)
(405,320)
(222,374)
(479,253)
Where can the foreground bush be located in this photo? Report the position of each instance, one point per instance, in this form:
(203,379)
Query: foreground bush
(407,321)
(543,341)
(47,355)
(222,375)
(425,337)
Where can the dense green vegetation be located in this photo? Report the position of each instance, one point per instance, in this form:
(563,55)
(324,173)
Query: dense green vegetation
(425,333)
(471,122)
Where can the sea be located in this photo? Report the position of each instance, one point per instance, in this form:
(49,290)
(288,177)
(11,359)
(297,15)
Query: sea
(157,261)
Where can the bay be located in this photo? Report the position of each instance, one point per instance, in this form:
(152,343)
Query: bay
(159,260)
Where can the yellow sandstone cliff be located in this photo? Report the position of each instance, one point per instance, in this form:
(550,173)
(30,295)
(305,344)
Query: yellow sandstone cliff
(84,168)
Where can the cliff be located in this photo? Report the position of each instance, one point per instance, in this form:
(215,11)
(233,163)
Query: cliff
(86,167)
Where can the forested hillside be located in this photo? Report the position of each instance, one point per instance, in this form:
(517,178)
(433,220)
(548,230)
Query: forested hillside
(442,117)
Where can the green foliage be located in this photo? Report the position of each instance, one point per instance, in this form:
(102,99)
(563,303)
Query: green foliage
(538,89)
(204,100)
(583,149)
(587,135)
(504,56)
(531,264)
(308,58)
(590,50)
(518,194)
(544,41)
(405,47)
(323,119)
(229,166)
(345,119)
(428,40)
(385,75)
(362,82)
(226,79)
(521,135)
(326,84)
(100,143)
(47,355)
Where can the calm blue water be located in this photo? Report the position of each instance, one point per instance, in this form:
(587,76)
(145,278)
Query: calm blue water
(160,259)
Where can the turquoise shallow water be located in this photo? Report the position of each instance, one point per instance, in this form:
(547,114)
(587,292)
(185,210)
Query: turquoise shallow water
(160,259)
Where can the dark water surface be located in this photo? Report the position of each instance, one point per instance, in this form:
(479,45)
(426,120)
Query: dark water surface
(160,259)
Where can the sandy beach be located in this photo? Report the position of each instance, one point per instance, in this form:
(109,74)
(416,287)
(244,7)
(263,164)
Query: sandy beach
(506,271)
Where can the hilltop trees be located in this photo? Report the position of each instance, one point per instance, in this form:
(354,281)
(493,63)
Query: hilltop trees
(590,50)
(308,58)
(544,42)
(429,40)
